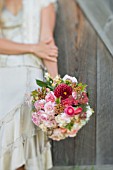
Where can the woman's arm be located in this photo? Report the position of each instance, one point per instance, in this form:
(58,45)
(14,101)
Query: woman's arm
(41,50)
(48,18)
(12,48)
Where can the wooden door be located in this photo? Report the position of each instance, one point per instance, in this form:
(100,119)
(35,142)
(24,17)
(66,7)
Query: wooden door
(83,54)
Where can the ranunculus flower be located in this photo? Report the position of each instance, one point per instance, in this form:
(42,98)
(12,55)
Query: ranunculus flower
(70,111)
(50,97)
(63,91)
(78,111)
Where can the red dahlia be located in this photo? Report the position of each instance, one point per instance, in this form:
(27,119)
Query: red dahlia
(63,91)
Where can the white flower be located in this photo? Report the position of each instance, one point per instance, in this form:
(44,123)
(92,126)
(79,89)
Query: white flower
(47,76)
(89,111)
(62,119)
(67,77)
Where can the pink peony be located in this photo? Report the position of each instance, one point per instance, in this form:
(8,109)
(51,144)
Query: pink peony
(78,111)
(70,111)
(50,97)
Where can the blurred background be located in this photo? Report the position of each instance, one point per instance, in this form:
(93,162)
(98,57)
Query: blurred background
(84,35)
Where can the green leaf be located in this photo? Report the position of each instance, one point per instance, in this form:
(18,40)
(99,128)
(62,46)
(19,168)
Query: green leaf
(58,100)
(41,83)
(50,80)
(50,87)
(69,126)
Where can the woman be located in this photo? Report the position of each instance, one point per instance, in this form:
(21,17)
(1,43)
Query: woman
(26,45)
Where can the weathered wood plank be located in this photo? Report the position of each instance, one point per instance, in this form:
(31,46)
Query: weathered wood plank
(86,70)
(65,34)
(104,125)
(78,54)
(101,167)
(101,17)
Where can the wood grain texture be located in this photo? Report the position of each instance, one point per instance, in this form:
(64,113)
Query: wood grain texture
(65,35)
(86,71)
(83,54)
(77,46)
(104,149)
(101,167)
(101,17)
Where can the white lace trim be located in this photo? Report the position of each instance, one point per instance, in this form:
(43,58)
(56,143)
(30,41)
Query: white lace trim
(21,140)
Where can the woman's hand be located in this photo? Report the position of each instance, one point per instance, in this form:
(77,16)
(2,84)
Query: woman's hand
(47,51)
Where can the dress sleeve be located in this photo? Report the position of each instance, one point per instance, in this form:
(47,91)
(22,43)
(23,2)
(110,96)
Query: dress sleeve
(45,3)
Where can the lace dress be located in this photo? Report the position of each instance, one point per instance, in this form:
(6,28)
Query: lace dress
(21,142)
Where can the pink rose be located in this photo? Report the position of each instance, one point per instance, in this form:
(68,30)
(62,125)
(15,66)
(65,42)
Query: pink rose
(70,111)
(40,112)
(35,119)
(49,107)
(50,97)
(78,111)
(39,104)
(43,117)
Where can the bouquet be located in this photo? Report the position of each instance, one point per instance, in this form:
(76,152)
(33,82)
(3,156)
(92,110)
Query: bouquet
(60,106)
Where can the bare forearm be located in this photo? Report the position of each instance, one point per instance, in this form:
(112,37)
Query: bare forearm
(13,48)
(51,68)
(48,18)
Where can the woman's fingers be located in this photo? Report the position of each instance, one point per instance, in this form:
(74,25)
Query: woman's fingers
(51,59)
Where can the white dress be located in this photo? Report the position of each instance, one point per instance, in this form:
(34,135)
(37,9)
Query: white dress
(21,142)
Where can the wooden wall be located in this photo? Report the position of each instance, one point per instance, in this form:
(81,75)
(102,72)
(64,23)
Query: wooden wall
(82,54)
